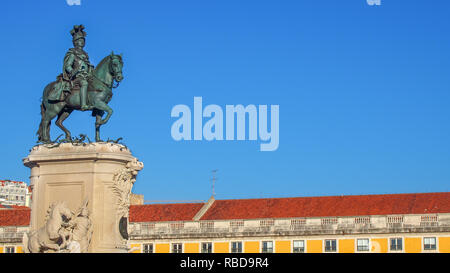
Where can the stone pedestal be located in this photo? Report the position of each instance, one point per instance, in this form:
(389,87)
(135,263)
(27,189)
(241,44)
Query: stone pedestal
(101,173)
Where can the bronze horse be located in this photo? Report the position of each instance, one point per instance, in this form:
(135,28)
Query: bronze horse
(99,94)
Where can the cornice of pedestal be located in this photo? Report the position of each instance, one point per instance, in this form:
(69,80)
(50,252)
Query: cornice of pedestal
(75,151)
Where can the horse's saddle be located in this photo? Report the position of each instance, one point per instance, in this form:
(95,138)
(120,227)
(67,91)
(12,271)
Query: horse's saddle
(63,88)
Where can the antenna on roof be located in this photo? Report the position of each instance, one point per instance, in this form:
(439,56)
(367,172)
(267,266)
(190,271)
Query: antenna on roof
(214,179)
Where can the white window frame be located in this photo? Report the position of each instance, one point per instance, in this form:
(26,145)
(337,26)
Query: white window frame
(403,244)
(153,247)
(368,244)
(231,246)
(435,243)
(268,241)
(299,240)
(201,247)
(173,249)
(325,244)
(13,249)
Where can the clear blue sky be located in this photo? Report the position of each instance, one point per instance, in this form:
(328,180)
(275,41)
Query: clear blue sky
(364,91)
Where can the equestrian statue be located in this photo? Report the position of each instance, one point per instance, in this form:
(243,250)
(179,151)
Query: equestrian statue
(80,87)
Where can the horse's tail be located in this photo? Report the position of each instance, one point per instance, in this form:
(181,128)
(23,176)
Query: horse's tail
(45,94)
(39,132)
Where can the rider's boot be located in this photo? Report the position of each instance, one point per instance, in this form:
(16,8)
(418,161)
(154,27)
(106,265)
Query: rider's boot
(83,95)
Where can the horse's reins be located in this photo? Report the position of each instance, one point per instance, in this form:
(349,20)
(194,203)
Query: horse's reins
(107,85)
(112,84)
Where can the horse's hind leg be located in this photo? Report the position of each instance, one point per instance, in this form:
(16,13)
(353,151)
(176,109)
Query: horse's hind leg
(47,117)
(98,118)
(44,130)
(59,122)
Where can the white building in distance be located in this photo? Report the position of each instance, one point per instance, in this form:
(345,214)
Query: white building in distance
(14,193)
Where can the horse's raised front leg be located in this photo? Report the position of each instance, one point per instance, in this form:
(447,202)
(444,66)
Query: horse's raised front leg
(100,105)
(59,122)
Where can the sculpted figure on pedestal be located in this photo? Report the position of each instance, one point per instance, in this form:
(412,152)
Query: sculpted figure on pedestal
(53,236)
(81,229)
(123,183)
(63,231)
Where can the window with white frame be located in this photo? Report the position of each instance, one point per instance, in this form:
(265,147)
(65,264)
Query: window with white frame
(236,247)
(207,247)
(177,248)
(429,243)
(298,246)
(330,245)
(362,244)
(9,249)
(148,248)
(267,247)
(396,244)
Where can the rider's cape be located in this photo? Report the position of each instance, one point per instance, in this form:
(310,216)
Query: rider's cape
(57,94)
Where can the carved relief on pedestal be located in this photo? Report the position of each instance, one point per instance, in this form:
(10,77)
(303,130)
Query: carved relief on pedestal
(123,183)
(64,231)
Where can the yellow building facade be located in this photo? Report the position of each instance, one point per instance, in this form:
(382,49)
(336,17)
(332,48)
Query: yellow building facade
(405,242)
(397,223)
(407,223)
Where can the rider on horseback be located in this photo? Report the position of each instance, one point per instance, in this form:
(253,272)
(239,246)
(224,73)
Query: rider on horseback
(77,69)
(61,97)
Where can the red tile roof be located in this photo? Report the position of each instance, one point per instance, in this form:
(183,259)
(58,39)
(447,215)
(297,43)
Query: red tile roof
(164,212)
(14,216)
(326,206)
(329,206)
(2,182)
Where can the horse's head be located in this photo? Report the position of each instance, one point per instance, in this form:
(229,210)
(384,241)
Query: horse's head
(109,70)
(115,66)
(61,209)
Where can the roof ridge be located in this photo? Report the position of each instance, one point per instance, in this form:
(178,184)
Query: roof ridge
(204,209)
(327,196)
